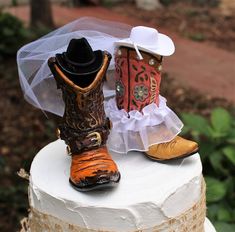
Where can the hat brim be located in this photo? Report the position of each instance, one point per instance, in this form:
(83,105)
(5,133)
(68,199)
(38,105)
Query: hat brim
(164,47)
(76,69)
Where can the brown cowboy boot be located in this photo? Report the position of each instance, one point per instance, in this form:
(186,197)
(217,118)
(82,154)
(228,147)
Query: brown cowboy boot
(137,85)
(84,126)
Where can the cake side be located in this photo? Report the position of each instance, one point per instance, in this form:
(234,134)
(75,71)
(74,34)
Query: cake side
(150,193)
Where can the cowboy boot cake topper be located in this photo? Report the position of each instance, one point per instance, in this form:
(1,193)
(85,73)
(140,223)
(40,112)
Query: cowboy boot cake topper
(79,73)
(72,88)
(141,119)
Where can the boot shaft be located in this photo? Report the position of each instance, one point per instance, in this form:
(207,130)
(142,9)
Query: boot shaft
(83,105)
(84,125)
(84,109)
(137,81)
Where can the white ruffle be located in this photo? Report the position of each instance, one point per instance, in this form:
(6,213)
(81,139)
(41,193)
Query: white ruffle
(137,131)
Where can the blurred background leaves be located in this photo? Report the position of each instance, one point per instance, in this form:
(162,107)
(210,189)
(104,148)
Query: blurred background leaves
(12,34)
(217,141)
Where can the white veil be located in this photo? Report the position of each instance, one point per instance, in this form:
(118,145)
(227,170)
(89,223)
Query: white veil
(36,80)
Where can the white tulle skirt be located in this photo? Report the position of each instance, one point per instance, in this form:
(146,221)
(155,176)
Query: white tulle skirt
(137,131)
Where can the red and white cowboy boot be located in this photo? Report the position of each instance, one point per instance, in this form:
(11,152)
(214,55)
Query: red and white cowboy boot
(137,86)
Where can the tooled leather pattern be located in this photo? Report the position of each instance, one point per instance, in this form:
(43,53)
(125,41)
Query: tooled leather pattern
(137,82)
(84,114)
(83,110)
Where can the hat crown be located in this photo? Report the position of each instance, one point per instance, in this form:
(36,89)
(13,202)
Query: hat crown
(144,36)
(79,51)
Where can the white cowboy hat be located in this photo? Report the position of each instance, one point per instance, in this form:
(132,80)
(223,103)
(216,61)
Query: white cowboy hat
(149,40)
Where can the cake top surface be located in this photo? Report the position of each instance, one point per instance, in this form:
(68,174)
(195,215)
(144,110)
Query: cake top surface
(143,180)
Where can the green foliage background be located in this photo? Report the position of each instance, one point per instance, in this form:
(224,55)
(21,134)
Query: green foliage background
(12,34)
(216,137)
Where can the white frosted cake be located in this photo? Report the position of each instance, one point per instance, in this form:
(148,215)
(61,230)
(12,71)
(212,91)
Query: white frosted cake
(151,196)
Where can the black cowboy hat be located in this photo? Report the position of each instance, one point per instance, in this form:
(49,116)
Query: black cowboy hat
(80,59)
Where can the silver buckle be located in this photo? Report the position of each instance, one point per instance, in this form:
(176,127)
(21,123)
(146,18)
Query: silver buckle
(97,138)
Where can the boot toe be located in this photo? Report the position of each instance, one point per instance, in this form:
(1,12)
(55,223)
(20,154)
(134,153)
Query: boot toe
(175,149)
(192,147)
(93,170)
(101,181)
